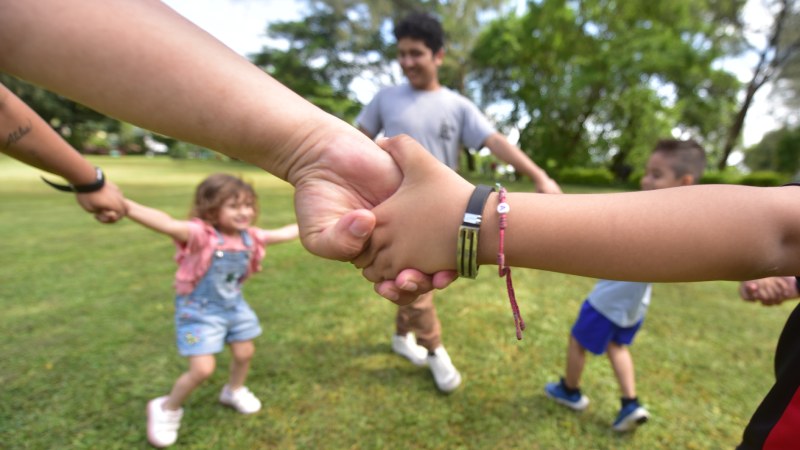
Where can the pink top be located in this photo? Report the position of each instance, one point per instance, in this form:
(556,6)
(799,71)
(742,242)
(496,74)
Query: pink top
(194,255)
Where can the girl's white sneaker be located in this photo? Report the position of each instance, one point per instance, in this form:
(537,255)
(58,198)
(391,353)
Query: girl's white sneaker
(162,425)
(241,400)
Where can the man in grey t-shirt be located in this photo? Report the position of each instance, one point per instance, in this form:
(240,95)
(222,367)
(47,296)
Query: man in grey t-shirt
(442,121)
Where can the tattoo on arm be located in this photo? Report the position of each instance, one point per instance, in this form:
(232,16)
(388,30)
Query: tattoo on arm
(18,134)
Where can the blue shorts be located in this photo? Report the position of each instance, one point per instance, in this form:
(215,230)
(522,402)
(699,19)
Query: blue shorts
(594,331)
(204,327)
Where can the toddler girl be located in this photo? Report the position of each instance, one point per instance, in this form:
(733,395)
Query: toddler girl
(217,250)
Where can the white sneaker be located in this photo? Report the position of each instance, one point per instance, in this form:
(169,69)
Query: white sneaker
(407,347)
(444,372)
(162,425)
(241,400)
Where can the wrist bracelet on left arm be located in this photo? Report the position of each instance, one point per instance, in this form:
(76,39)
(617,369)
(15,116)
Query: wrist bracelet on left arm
(98,184)
(502,269)
(467,248)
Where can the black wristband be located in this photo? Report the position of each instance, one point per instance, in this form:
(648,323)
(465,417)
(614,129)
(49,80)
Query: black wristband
(467,248)
(797,281)
(82,188)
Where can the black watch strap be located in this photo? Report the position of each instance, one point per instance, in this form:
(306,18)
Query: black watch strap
(474,213)
(98,184)
(468,233)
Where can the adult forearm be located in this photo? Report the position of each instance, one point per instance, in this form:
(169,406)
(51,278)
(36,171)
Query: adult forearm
(143,63)
(28,138)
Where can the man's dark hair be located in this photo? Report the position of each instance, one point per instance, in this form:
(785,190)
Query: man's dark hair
(422,26)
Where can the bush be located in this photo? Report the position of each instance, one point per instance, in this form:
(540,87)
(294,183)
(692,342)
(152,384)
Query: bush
(764,178)
(596,176)
(715,177)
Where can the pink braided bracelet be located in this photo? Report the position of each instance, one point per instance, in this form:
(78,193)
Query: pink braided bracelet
(503,208)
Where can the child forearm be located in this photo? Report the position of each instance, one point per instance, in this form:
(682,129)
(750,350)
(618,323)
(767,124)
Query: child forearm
(158,221)
(278,235)
(683,234)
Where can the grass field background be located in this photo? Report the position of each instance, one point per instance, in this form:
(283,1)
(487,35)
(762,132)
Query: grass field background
(86,320)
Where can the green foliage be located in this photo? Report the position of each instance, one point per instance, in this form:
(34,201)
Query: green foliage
(88,339)
(74,122)
(764,178)
(327,49)
(341,40)
(599,81)
(779,151)
(586,176)
(724,177)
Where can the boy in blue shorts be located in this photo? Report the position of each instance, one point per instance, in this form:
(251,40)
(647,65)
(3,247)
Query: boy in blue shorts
(613,312)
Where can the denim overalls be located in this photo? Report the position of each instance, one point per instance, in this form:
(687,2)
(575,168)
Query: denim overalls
(215,313)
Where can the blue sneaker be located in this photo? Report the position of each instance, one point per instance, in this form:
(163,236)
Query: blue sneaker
(576,401)
(630,417)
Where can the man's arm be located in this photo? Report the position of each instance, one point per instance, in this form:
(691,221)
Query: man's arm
(513,155)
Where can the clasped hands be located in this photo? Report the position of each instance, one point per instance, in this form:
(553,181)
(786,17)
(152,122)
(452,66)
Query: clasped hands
(394,214)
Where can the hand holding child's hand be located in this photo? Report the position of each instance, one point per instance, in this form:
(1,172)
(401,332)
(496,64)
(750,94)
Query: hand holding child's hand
(336,188)
(769,291)
(107,204)
(418,225)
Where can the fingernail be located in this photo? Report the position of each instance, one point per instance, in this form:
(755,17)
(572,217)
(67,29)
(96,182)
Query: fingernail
(359,228)
(389,294)
(409,286)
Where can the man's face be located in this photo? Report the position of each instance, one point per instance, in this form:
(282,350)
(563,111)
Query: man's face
(420,65)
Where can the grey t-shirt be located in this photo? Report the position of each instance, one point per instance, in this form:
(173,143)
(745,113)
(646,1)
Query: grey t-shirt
(440,120)
(622,302)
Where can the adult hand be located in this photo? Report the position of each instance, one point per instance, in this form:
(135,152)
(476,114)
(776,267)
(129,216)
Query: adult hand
(337,185)
(401,240)
(107,204)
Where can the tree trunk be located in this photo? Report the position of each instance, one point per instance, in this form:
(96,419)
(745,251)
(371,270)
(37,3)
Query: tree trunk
(738,123)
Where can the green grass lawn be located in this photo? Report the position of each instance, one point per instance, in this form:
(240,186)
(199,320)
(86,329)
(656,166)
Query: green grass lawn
(86,320)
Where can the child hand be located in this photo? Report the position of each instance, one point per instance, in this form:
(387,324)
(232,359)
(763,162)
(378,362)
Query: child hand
(769,291)
(411,283)
(418,225)
(336,188)
(107,204)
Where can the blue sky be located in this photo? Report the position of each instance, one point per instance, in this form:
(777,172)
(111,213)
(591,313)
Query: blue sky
(241,24)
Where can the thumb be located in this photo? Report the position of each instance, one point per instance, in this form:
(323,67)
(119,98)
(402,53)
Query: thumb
(408,154)
(346,240)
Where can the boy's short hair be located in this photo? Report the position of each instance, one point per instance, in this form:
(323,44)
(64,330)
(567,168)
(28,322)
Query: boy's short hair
(687,156)
(422,26)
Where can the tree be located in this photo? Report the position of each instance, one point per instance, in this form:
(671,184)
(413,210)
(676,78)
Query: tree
(787,84)
(74,122)
(339,41)
(778,151)
(599,81)
(781,46)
